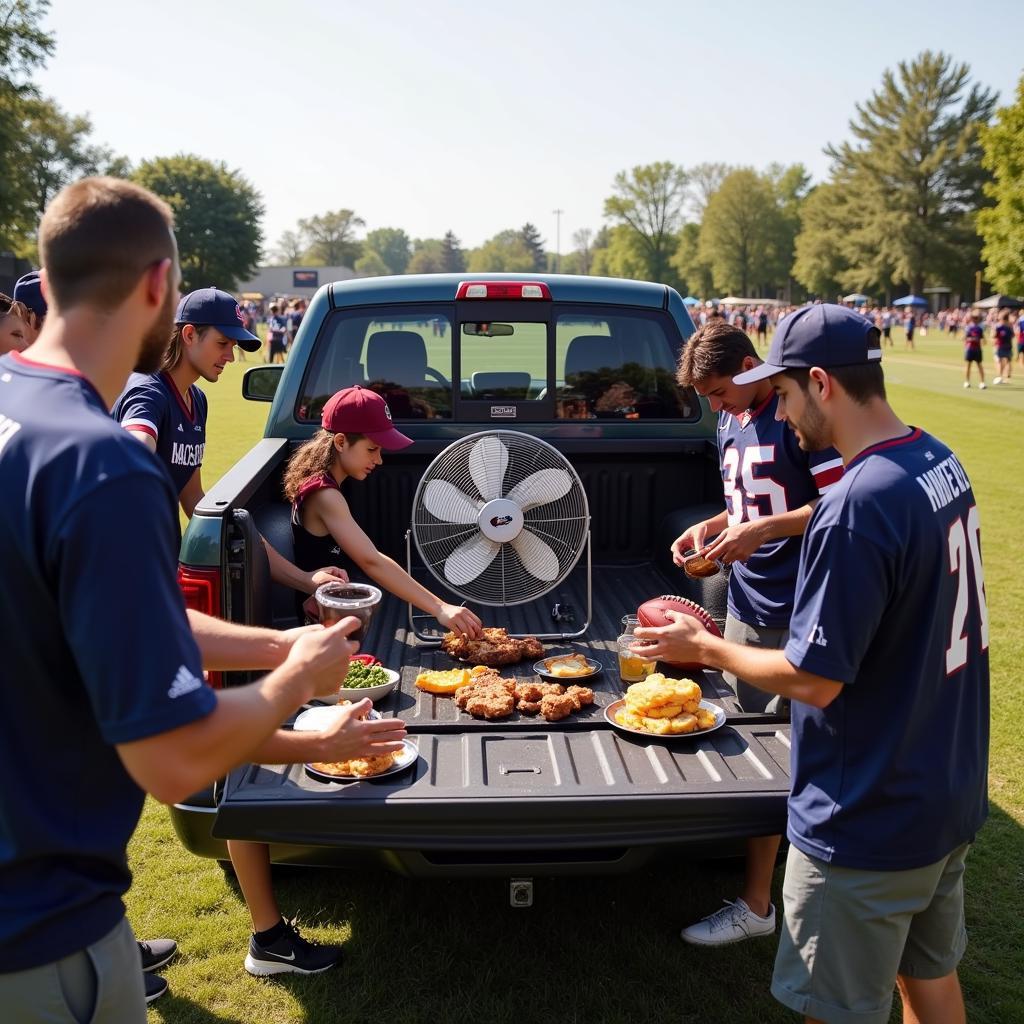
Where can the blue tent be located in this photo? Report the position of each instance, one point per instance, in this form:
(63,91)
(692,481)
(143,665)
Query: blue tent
(911,300)
(691,301)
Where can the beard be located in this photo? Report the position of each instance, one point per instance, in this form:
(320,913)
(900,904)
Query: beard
(812,429)
(156,339)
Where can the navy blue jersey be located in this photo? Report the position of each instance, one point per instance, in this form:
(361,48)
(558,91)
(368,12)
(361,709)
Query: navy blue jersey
(765,472)
(97,651)
(892,775)
(152,403)
(1003,338)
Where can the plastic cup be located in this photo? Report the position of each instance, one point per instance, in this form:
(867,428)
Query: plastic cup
(336,600)
(629,623)
(698,567)
(633,666)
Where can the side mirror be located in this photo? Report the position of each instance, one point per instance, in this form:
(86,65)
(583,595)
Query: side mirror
(260,382)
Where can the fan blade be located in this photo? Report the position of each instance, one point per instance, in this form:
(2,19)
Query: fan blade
(539,488)
(487,464)
(446,502)
(537,557)
(470,559)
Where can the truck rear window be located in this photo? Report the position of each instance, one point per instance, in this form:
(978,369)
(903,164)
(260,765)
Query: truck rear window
(607,364)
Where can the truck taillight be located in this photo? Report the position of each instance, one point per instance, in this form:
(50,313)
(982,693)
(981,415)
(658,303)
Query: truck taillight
(503,290)
(201,590)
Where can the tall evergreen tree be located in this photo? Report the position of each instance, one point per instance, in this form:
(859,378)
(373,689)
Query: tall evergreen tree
(453,259)
(535,246)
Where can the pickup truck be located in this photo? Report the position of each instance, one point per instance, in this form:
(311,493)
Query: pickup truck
(591,371)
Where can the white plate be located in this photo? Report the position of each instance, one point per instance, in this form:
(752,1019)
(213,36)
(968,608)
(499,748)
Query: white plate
(609,714)
(405,758)
(318,718)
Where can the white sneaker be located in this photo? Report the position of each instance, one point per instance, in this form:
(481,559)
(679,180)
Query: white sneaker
(981,386)
(733,923)
(967,383)
(998,380)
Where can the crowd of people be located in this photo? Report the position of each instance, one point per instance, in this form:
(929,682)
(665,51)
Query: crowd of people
(853,540)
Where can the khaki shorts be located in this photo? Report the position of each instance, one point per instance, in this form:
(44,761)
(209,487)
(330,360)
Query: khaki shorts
(848,932)
(101,984)
(752,699)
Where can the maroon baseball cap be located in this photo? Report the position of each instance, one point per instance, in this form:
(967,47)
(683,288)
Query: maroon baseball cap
(358,410)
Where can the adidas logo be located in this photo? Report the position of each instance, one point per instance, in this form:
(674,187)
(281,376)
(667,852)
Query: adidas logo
(817,636)
(184,682)
(181,429)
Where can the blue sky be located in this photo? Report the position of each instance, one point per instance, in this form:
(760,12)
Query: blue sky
(478,117)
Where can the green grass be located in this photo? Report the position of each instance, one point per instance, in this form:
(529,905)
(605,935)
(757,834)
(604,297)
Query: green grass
(596,949)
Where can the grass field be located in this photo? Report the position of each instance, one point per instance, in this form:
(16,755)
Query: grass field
(597,949)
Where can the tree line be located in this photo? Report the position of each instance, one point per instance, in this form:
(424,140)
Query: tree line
(925,191)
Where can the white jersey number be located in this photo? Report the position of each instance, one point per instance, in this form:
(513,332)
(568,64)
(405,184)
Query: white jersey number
(964,542)
(743,488)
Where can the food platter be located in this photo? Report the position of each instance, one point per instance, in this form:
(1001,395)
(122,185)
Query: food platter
(320,716)
(543,670)
(613,708)
(404,758)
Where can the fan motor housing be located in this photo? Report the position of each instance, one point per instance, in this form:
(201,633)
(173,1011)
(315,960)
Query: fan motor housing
(501,520)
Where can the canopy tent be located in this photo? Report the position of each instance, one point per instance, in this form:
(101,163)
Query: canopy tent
(734,300)
(691,301)
(857,298)
(999,302)
(911,300)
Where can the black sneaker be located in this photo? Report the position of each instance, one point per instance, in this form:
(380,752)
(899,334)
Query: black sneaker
(156,952)
(155,986)
(290,953)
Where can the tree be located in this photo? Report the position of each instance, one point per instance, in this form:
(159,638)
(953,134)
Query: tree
(914,173)
(739,232)
(453,260)
(705,181)
(694,272)
(427,257)
(332,240)
(392,246)
(217,215)
(820,262)
(1002,225)
(370,264)
(649,202)
(535,245)
(506,251)
(622,256)
(291,247)
(582,254)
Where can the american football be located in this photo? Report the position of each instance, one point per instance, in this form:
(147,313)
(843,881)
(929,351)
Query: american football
(652,613)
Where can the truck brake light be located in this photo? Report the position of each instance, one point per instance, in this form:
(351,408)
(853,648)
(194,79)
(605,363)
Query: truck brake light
(503,290)
(201,590)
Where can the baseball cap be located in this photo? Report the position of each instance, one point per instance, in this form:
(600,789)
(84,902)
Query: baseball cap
(359,410)
(28,291)
(217,309)
(824,335)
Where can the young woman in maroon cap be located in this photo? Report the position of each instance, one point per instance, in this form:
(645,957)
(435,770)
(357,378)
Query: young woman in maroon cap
(357,427)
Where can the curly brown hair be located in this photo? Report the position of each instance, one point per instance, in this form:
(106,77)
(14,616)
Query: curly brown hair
(310,459)
(716,349)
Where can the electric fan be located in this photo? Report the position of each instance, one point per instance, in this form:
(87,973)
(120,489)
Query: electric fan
(501,518)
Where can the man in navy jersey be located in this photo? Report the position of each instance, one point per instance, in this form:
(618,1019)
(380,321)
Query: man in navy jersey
(974,338)
(101,689)
(167,411)
(887,668)
(770,486)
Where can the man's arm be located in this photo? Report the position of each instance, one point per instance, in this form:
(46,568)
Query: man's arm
(146,438)
(737,543)
(192,493)
(229,646)
(282,571)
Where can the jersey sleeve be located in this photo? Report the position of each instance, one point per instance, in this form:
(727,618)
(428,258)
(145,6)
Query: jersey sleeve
(143,408)
(115,562)
(841,595)
(826,467)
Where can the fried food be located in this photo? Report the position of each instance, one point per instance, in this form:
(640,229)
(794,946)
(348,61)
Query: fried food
(705,719)
(442,682)
(528,707)
(581,696)
(494,647)
(490,703)
(556,706)
(554,688)
(664,707)
(530,692)
(568,666)
(361,767)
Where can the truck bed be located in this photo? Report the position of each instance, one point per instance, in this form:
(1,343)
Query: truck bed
(523,794)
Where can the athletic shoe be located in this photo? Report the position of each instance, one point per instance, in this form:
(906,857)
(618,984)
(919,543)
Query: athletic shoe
(155,986)
(156,952)
(998,380)
(981,386)
(290,953)
(733,923)
(967,383)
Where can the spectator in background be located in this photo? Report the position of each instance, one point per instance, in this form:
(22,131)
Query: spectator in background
(277,333)
(974,338)
(28,292)
(887,320)
(908,326)
(762,326)
(1020,339)
(1002,343)
(13,327)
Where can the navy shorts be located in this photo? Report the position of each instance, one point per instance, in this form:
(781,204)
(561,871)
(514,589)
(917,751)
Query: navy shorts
(972,355)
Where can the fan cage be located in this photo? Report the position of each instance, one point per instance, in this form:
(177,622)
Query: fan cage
(563,524)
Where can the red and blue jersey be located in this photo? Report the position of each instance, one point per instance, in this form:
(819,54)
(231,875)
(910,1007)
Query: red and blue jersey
(1002,338)
(97,652)
(765,473)
(890,602)
(973,334)
(152,403)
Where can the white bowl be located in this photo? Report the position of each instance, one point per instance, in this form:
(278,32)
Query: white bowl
(316,719)
(358,693)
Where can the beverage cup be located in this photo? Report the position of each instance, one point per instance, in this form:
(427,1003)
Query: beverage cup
(633,666)
(336,600)
(629,623)
(698,567)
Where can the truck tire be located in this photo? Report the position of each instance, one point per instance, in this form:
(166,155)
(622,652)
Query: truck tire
(710,592)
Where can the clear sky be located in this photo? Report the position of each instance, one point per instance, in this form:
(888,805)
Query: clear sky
(479,117)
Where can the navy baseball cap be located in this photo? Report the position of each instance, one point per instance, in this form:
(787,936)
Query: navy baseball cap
(820,335)
(29,292)
(214,308)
